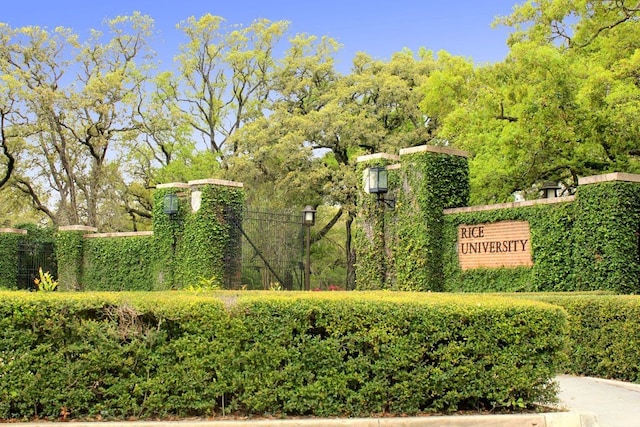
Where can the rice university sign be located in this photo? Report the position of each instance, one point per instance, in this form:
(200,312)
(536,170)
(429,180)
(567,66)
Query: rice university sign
(495,245)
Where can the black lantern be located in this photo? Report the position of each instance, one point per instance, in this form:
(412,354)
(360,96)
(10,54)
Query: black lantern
(308,216)
(377,180)
(170,204)
(550,190)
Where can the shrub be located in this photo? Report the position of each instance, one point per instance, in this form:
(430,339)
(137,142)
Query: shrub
(178,354)
(604,334)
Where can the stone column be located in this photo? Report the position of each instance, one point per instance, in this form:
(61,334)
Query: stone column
(432,179)
(606,246)
(213,254)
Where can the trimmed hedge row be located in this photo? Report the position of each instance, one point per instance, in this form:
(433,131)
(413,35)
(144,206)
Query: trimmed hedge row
(604,334)
(117,356)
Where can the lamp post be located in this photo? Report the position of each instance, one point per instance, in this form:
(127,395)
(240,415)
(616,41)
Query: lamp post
(308,220)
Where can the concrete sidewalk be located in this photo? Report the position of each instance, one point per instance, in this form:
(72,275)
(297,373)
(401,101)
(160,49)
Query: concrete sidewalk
(615,403)
(559,419)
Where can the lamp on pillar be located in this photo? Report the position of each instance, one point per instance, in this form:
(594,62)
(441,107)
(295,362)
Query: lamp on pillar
(550,190)
(308,220)
(170,205)
(376,182)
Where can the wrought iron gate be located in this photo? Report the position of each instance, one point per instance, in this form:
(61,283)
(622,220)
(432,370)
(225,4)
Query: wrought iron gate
(272,249)
(33,255)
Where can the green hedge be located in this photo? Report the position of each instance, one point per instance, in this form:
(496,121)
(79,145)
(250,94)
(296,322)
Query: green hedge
(126,355)
(604,334)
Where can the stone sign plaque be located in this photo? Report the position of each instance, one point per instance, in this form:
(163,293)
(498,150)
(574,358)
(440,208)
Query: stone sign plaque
(500,244)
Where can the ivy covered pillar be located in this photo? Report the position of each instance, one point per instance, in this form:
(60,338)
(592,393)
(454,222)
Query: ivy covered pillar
(9,239)
(168,232)
(209,249)
(70,255)
(374,227)
(432,179)
(606,250)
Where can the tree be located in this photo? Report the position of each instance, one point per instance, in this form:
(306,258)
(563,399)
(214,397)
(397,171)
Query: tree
(225,77)
(321,121)
(79,100)
(10,126)
(563,104)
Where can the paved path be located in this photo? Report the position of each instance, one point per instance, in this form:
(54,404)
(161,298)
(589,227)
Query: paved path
(615,403)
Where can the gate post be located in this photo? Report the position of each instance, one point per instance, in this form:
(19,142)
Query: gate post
(70,255)
(168,233)
(213,252)
(403,249)
(9,238)
(374,228)
(433,179)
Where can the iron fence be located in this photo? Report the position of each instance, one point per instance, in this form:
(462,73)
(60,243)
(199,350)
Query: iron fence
(33,255)
(271,249)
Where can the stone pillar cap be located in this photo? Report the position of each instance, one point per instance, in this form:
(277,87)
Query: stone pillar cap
(13,230)
(77,228)
(211,181)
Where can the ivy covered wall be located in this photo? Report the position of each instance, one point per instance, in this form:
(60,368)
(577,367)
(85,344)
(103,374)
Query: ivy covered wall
(551,246)
(210,248)
(432,179)
(607,235)
(9,238)
(69,253)
(183,249)
(590,241)
(374,227)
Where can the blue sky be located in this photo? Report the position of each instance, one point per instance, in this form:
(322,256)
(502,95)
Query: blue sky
(377,27)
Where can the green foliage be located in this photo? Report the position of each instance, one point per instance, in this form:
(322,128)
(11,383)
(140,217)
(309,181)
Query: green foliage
(204,285)
(373,229)
(135,355)
(69,252)
(436,181)
(563,104)
(606,234)
(552,246)
(120,263)
(45,283)
(589,244)
(604,334)
(9,260)
(210,245)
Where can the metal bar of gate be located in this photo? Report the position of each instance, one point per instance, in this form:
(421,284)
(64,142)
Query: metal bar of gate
(238,224)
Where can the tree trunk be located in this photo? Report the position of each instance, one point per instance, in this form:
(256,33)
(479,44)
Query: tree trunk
(350,253)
